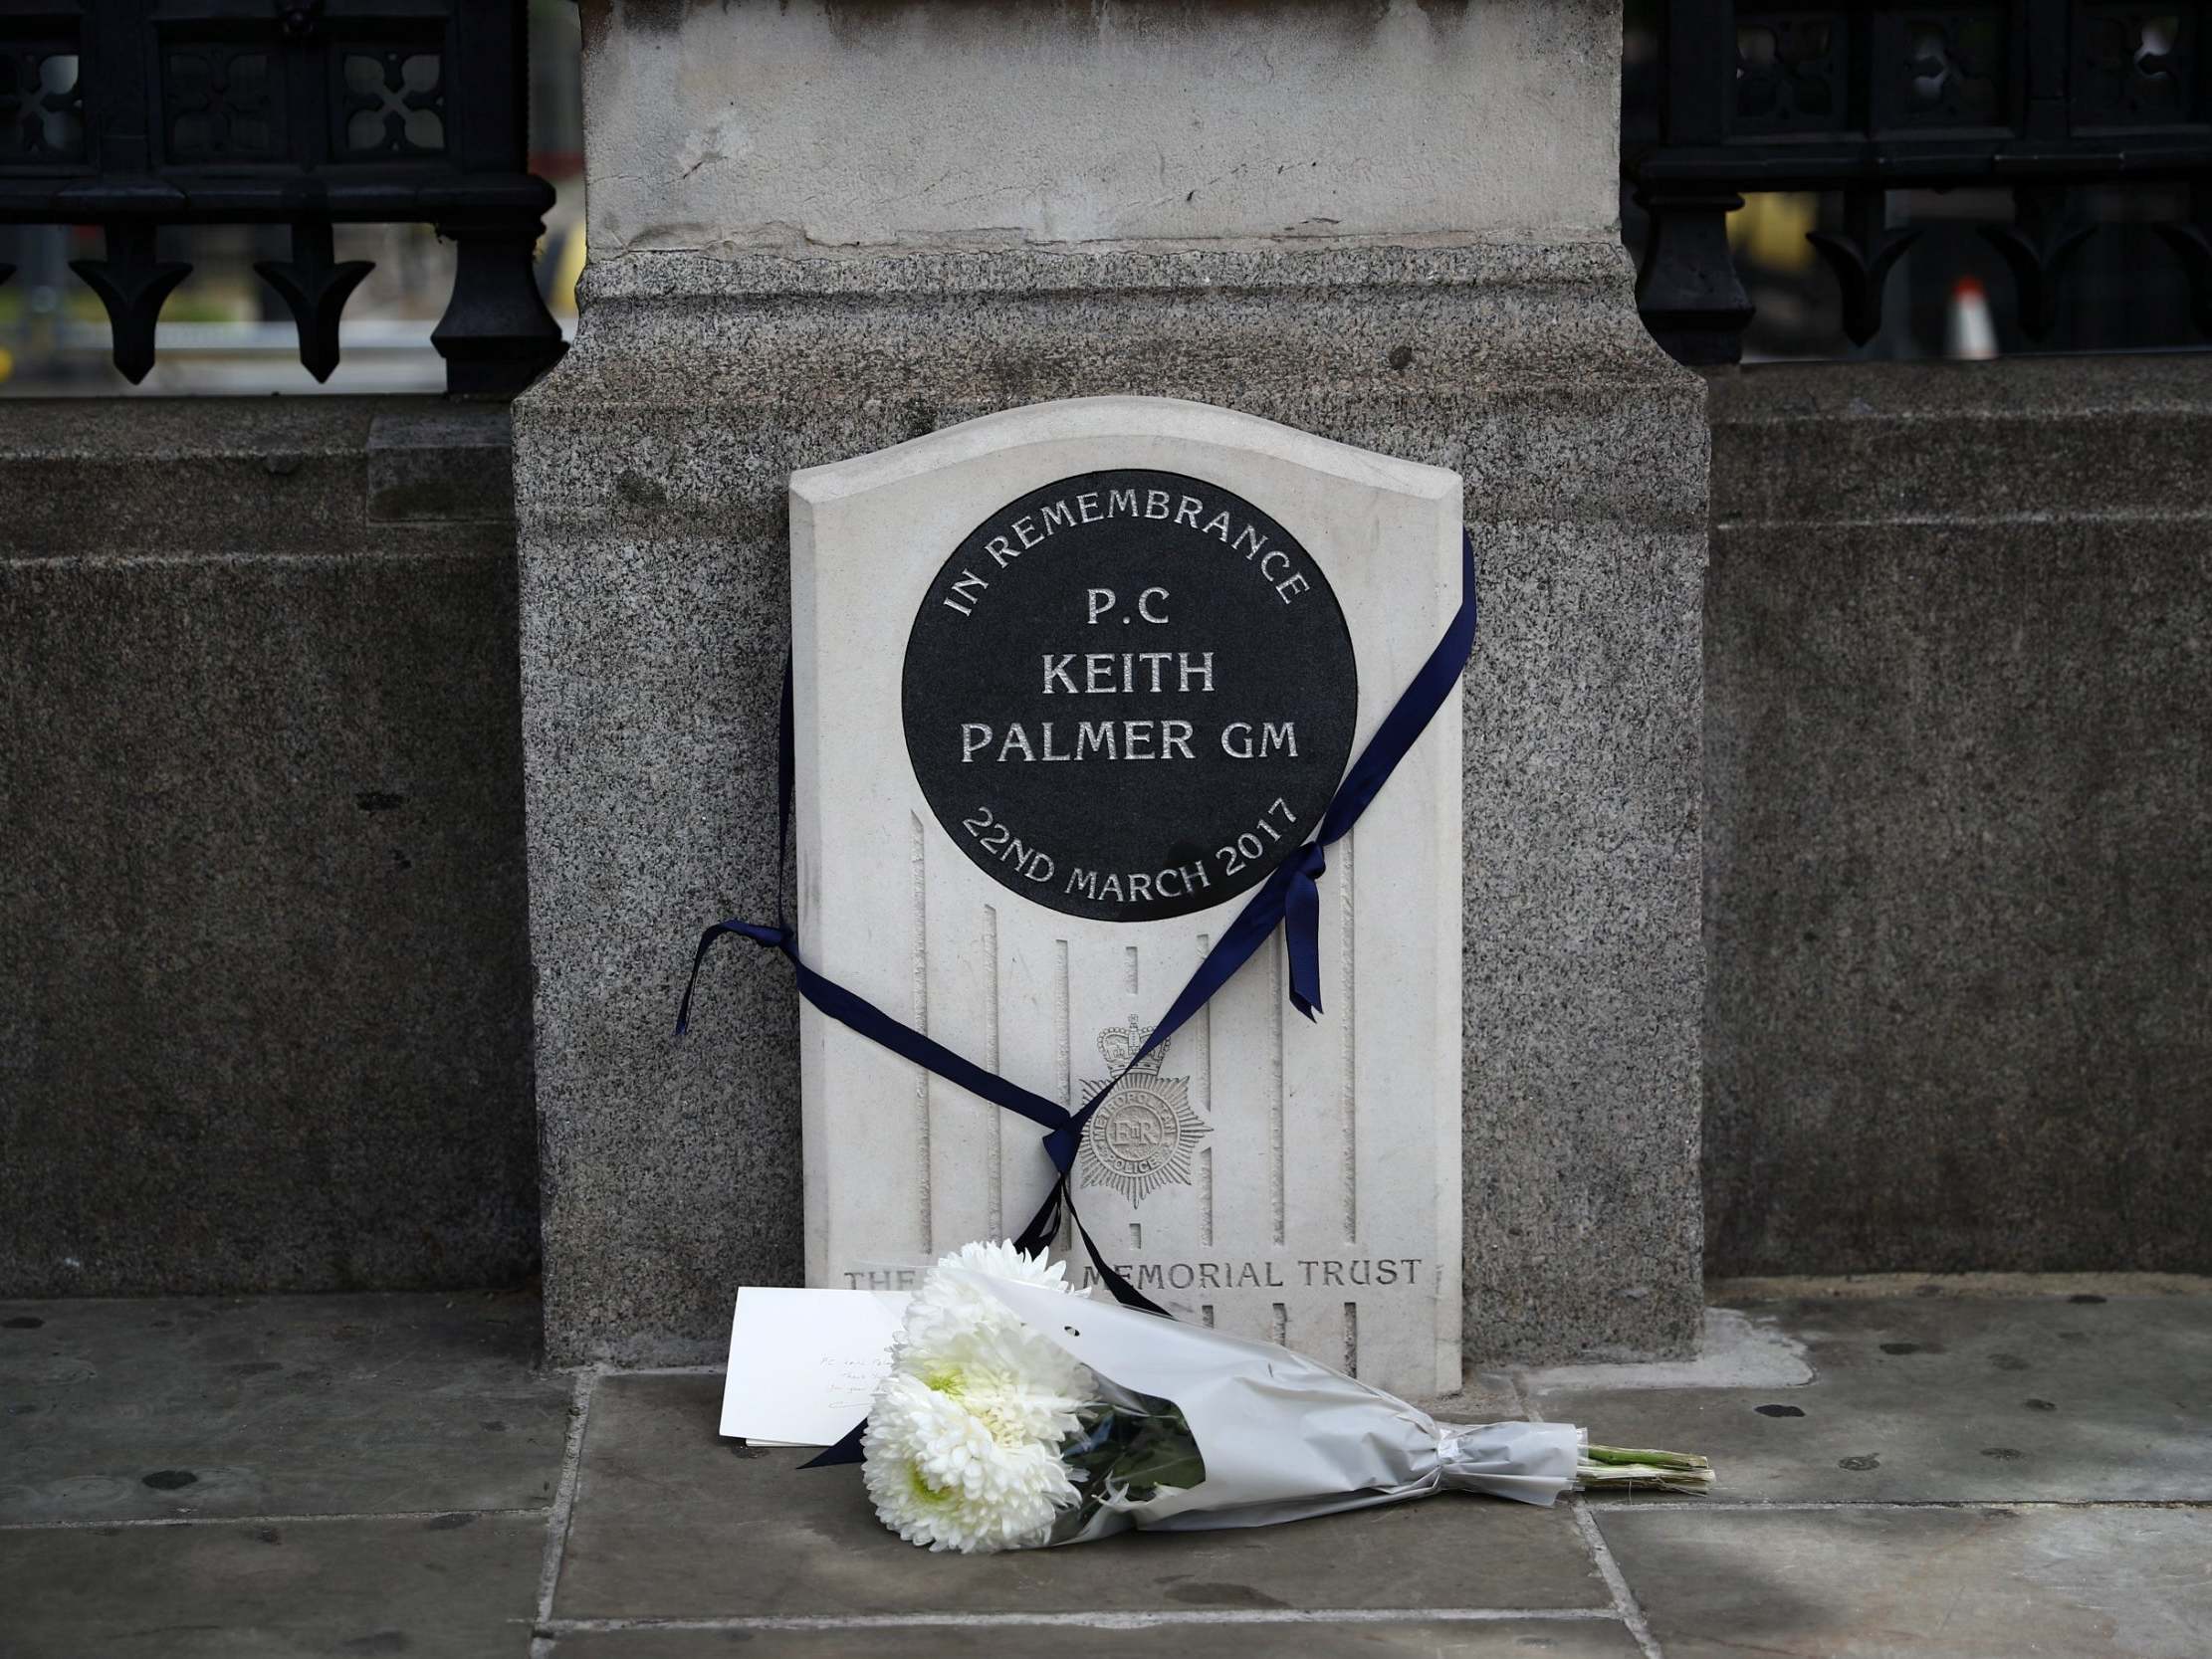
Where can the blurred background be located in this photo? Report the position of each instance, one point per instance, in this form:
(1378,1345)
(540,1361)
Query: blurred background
(224,329)
(2122,289)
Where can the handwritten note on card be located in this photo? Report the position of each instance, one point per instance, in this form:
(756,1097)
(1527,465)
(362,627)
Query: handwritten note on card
(804,1364)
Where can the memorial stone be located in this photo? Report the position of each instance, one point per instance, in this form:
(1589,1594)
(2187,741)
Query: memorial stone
(1071,682)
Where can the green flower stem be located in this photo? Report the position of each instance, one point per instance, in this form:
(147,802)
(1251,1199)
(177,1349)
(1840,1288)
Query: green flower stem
(1628,1454)
(1624,1469)
(1135,1452)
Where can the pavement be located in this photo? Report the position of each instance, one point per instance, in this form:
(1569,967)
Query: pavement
(1957,1467)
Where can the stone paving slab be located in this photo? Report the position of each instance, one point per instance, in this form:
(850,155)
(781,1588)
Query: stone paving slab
(275,1405)
(1483,1397)
(1920,1583)
(447,1588)
(292,1409)
(1511,1638)
(672,1522)
(1930,1397)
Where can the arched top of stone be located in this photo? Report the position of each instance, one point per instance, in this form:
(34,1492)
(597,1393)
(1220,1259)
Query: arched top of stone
(1151,420)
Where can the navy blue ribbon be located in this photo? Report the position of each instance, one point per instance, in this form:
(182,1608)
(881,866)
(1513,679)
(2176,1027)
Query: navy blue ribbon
(1290,896)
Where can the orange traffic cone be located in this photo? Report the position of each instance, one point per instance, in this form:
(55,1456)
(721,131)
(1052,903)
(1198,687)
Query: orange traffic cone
(1969,331)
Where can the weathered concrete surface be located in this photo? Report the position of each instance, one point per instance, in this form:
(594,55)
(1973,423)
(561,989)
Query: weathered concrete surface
(264,997)
(2048,1395)
(823,125)
(662,1506)
(1444,1638)
(1920,1583)
(457,1586)
(1735,1351)
(1958,914)
(651,476)
(144,1410)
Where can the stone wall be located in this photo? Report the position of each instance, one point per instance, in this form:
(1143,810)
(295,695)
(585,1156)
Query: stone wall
(1958,903)
(263,991)
(263,1002)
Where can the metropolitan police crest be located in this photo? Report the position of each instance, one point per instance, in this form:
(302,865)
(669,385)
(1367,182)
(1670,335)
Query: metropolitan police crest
(1144,1133)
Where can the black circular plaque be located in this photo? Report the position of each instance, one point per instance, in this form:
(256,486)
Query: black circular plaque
(1129,695)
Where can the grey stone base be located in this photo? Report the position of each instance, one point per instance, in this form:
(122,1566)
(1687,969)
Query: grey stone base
(650,480)
(263,990)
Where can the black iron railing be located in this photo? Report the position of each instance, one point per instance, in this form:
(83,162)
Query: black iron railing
(2038,96)
(133,115)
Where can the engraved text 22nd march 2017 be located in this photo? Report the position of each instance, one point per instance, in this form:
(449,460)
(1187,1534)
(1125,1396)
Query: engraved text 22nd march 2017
(999,839)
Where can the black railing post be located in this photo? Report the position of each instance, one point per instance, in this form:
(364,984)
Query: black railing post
(1687,288)
(496,336)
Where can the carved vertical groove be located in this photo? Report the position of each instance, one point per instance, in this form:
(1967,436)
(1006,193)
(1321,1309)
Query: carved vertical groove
(995,1156)
(1282,1324)
(1203,1074)
(1351,1339)
(1062,1027)
(1276,1115)
(919,968)
(1347,1019)
(1206,1196)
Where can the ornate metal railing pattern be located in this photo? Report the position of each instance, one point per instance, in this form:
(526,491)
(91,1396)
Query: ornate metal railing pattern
(132,114)
(2041,97)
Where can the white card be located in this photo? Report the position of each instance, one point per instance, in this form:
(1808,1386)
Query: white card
(804,1364)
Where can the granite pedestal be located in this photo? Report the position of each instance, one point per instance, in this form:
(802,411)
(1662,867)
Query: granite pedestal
(651,473)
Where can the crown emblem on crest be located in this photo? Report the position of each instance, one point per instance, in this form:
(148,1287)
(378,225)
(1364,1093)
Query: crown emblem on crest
(1145,1134)
(1118,1042)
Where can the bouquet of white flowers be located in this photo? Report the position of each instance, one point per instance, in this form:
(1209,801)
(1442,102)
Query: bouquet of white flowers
(1019,1415)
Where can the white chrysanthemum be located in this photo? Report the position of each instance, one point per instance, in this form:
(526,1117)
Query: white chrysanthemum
(963,1440)
(996,1374)
(954,1323)
(939,1478)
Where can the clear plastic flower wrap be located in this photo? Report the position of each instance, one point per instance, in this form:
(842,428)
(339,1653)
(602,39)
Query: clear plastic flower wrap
(1019,1415)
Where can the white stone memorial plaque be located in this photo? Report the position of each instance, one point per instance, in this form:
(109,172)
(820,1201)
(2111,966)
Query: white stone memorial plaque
(1070,681)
